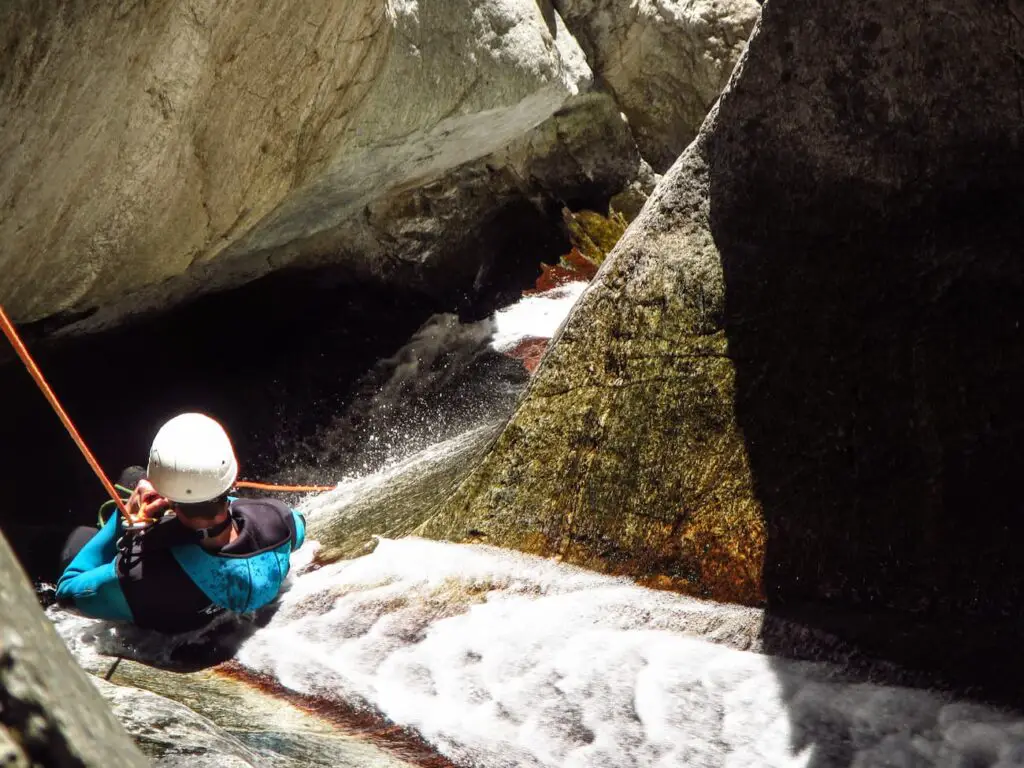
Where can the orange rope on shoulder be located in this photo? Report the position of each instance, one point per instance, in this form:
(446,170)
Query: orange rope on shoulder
(284,488)
(33,369)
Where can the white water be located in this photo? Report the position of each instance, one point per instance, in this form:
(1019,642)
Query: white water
(503,660)
(535,317)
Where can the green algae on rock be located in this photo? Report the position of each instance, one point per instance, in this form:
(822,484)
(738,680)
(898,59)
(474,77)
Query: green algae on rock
(625,455)
(593,236)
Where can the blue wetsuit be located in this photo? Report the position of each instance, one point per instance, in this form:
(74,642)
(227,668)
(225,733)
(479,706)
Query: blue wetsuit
(163,579)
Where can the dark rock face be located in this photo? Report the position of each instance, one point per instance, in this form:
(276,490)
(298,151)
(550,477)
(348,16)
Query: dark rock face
(796,379)
(865,200)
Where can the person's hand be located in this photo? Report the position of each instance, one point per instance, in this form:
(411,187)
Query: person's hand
(145,504)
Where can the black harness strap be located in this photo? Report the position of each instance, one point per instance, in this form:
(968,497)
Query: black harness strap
(160,594)
(214,531)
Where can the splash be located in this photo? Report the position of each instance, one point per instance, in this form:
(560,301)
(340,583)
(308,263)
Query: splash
(449,377)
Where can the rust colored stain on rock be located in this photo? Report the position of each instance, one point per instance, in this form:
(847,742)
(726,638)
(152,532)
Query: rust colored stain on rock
(530,351)
(368,724)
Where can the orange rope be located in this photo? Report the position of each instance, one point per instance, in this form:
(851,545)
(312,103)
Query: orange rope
(33,369)
(293,488)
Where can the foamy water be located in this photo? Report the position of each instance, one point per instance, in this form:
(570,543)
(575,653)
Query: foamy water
(500,659)
(535,317)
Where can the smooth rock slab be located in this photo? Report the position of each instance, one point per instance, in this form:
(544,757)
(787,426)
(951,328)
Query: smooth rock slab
(153,151)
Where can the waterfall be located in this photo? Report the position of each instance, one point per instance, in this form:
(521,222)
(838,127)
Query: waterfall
(448,379)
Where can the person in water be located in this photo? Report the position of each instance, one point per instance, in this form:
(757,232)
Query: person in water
(205,553)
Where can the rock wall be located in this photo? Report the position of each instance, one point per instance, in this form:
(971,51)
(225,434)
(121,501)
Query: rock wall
(626,454)
(154,151)
(665,61)
(50,713)
(796,379)
(150,152)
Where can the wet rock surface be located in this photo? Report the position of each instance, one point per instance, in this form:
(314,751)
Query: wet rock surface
(179,706)
(172,733)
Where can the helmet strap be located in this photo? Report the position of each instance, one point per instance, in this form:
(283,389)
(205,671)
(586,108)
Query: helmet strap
(216,530)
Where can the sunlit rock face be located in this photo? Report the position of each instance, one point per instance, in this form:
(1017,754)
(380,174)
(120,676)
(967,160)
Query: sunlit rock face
(796,379)
(152,152)
(666,61)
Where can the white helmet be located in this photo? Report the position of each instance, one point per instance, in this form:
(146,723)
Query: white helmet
(192,459)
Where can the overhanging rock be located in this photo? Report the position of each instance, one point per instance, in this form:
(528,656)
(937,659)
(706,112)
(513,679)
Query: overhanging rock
(153,152)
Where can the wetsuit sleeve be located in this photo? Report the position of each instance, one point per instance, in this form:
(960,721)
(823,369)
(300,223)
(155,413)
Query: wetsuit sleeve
(300,528)
(90,580)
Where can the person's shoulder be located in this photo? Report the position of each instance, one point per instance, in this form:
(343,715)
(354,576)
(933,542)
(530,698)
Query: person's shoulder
(270,520)
(260,507)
